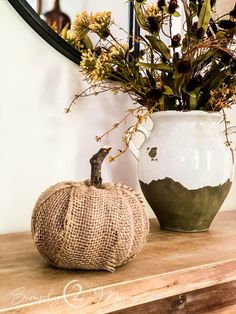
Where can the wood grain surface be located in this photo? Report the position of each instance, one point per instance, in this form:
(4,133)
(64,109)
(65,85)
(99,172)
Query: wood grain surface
(203,301)
(170,265)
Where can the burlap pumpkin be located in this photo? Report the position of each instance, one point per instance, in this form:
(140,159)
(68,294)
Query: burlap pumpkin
(76,225)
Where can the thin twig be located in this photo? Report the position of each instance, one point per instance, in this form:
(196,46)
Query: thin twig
(226,122)
(116,125)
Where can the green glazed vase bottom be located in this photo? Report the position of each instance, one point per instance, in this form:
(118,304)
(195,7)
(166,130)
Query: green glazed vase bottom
(183,210)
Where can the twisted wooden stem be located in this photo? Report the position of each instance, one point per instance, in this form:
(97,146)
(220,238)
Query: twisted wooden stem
(96,166)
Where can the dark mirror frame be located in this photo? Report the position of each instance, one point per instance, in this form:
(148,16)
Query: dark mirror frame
(41,27)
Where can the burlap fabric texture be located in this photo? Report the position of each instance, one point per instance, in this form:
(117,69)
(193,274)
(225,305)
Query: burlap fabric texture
(77,226)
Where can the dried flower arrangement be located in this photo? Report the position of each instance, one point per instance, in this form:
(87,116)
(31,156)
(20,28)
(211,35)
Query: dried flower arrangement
(194,70)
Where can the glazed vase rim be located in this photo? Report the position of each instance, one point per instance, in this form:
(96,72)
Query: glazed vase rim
(186,113)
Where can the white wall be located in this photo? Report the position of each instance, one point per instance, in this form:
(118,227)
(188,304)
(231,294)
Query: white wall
(40,145)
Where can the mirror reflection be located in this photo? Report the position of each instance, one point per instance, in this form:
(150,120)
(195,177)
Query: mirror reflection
(52,13)
(62,12)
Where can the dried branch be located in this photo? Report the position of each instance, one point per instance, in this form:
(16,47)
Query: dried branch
(116,125)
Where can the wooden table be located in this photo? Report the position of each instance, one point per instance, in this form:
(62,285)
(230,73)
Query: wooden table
(174,273)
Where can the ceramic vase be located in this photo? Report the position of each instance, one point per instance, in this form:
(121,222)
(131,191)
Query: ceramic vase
(185,168)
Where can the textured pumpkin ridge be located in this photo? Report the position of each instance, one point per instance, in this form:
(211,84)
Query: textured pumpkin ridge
(111,263)
(67,235)
(134,251)
(114,259)
(132,193)
(64,231)
(44,196)
(48,251)
(145,221)
(125,251)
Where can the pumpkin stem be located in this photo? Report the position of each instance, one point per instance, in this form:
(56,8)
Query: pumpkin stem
(96,166)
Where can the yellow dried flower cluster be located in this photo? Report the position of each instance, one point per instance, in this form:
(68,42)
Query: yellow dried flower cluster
(102,69)
(71,38)
(80,26)
(118,51)
(70,35)
(100,23)
(98,67)
(152,10)
(219,98)
(95,68)
(88,62)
